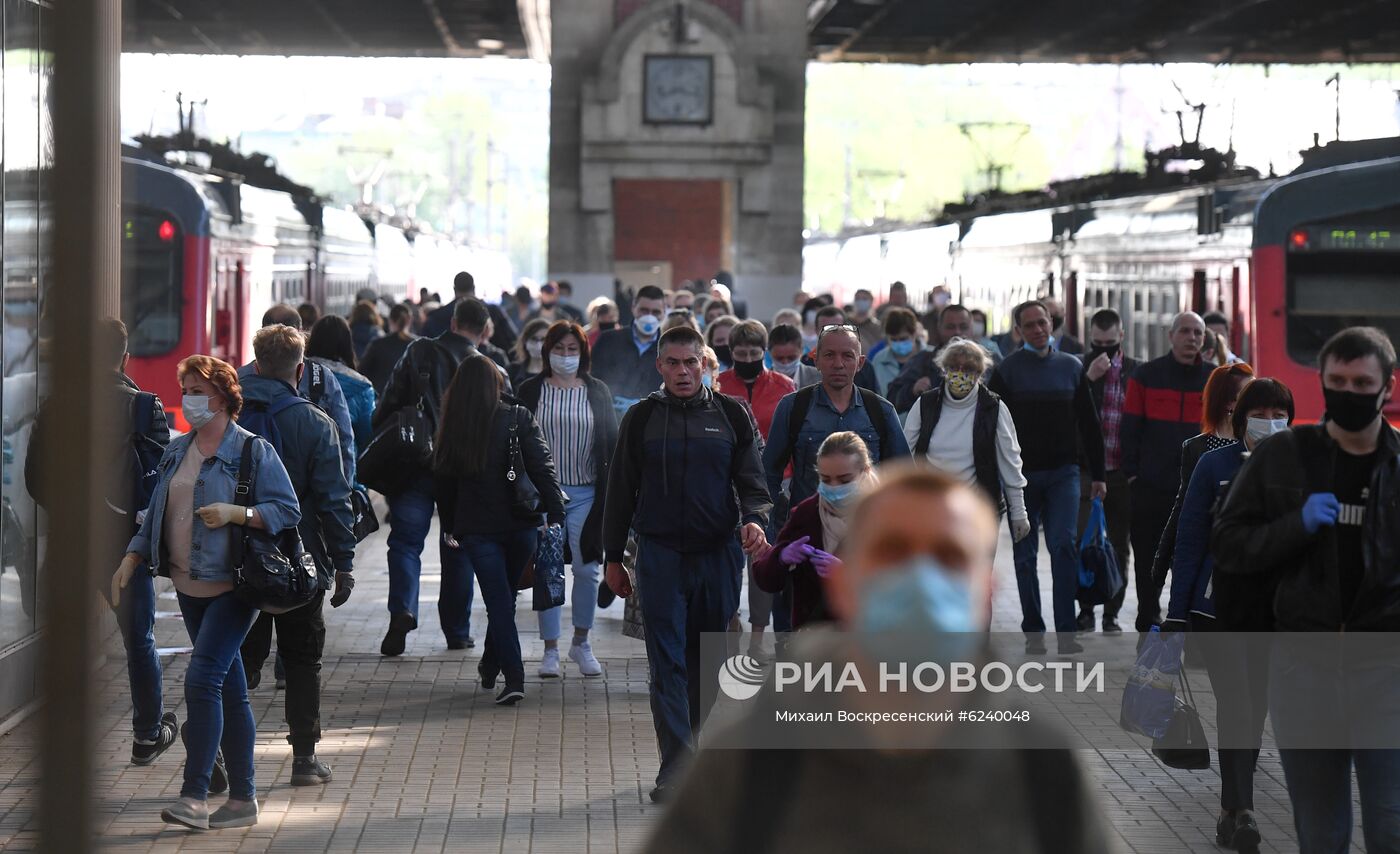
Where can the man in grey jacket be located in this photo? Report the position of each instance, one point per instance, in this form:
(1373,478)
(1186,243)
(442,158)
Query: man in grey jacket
(310,451)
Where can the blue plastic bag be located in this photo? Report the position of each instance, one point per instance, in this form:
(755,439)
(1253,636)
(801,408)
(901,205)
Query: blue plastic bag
(549,569)
(1100,579)
(1149,698)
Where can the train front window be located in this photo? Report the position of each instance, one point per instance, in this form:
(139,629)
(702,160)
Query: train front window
(151,298)
(1328,292)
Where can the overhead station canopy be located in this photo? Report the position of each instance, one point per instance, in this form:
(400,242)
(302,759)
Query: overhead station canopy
(1109,31)
(339,27)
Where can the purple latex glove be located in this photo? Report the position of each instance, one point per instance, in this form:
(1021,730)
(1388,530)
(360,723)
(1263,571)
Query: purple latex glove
(825,564)
(796,551)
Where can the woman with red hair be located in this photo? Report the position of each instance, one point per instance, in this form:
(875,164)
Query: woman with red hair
(1217,409)
(186,536)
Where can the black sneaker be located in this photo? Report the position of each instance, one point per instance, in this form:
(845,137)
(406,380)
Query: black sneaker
(464,643)
(1225,829)
(1035,644)
(399,627)
(143,753)
(488,680)
(1111,627)
(218,775)
(1246,835)
(660,794)
(254,678)
(1068,646)
(309,771)
(510,695)
(1085,621)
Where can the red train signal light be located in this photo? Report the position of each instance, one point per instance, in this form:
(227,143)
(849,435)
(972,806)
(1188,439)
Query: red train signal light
(166,231)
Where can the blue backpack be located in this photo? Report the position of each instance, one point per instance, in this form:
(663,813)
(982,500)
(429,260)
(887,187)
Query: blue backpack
(1100,578)
(260,419)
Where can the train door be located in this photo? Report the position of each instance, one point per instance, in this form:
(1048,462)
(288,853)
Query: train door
(1200,300)
(223,340)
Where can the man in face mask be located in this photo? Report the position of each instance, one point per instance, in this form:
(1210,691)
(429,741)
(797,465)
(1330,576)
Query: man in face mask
(917,560)
(785,349)
(863,319)
(1314,508)
(1107,369)
(625,358)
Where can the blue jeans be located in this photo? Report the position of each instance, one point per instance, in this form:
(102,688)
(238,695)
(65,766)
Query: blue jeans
(683,594)
(498,560)
(410,519)
(216,695)
(585,593)
(1319,787)
(136,616)
(1052,502)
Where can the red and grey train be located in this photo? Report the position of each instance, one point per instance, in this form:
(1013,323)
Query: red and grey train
(204,255)
(1289,260)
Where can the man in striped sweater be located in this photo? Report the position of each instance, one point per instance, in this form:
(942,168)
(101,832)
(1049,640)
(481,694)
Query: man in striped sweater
(1161,410)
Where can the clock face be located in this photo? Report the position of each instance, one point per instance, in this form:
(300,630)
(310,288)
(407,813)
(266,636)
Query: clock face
(678,89)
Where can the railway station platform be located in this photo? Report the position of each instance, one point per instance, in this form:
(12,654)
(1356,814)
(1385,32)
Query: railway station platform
(424,761)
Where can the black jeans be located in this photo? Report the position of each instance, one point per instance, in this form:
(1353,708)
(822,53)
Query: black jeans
(301,638)
(1151,510)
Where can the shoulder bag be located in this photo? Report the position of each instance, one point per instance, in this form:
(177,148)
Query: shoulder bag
(271,571)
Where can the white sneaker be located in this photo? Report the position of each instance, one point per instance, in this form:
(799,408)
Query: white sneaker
(582,655)
(549,665)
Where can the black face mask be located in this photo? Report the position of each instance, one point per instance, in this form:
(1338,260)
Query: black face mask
(1351,411)
(608,325)
(748,371)
(1111,350)
(722,353)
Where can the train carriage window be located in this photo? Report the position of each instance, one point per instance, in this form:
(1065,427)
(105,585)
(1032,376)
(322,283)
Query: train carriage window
(151,283)
(1328,292)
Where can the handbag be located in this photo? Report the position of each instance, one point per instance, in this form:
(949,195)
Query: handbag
(1184,744)
(548,577)
(1100,579)
(524,498)
(362,510)
(1149,696)
(271,572)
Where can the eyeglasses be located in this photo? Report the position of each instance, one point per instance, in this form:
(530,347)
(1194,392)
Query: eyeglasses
(834,326)
(680,312)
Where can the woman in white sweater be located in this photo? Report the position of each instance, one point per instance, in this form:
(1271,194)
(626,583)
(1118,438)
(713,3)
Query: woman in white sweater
(964,429)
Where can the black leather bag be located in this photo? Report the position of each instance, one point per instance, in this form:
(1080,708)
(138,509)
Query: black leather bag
(524,498)
(403,445)
(271,571)
(362,509)
(1184,744)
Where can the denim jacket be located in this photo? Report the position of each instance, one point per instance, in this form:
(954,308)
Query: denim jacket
(209,553)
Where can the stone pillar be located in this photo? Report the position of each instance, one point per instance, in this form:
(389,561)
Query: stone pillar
(677,144)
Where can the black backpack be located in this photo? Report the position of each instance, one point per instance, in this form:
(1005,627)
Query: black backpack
(260,418)
(403,445)
(144,457)
(802,404)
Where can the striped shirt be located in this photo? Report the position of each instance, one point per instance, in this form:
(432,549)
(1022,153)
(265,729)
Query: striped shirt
(566,418)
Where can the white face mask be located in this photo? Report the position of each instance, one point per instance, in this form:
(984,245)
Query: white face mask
(534,348)
(787,369)
(647,324)
(195,408)
(564,366)
(1259,429)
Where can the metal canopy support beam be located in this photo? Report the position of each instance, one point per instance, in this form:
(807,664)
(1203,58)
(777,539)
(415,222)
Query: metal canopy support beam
(449,42)
(86,42)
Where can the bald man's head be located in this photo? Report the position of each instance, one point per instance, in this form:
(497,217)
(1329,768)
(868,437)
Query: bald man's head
(283,315)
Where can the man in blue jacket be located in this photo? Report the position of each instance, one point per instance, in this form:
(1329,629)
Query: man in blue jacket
(318,385)
(686,477)
(310,451)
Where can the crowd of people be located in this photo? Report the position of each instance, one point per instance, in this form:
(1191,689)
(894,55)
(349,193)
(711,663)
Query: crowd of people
(680,447)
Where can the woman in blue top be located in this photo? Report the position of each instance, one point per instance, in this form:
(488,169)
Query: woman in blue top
(330,342)
(1206,602)
(185,537)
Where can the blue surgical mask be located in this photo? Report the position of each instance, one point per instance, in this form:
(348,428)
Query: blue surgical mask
(837,494)
(788,369)
(1259,429)
(565,366)
(919,597)
(902,348)
(195,408)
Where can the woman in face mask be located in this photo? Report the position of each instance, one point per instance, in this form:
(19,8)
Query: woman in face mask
(963,428)
(717,333)
(901,343)
(574,410)
(806,548)
(1217,431)
(761,388)
(528,358)
(187,536)
(1233,602)
(602,317)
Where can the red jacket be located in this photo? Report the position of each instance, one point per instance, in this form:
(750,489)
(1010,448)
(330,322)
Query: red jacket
(808,597)
(762,397)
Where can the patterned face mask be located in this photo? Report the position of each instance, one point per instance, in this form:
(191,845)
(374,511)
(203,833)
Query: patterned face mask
(960,383)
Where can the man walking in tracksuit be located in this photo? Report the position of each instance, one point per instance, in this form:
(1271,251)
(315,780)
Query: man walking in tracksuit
(688,479)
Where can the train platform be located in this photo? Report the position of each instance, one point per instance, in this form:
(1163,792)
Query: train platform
(424,761)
